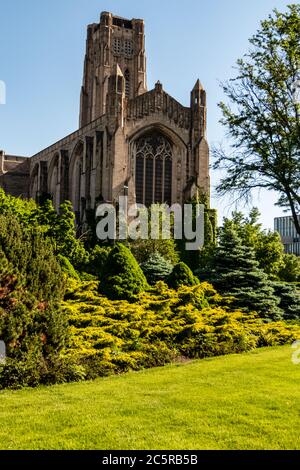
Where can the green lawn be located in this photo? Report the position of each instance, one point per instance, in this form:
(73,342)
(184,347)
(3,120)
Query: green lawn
(247,401)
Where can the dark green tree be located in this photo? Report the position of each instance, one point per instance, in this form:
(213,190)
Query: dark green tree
(122,277)
(263,117)
(182,276)
(156,268)
(32,257)
(235,272)
(289,295)
(32,324)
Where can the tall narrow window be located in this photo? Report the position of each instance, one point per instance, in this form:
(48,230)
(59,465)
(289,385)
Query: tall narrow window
(153,170)
(128,48)
(127,83)
(139,178)
(117,46)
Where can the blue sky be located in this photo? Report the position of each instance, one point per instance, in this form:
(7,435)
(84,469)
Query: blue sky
(42,49)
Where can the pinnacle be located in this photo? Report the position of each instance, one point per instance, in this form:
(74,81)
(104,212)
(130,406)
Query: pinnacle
(198,85)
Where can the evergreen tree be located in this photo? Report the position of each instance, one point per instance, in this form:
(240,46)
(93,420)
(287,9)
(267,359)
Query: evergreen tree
(289,296)
(182,275)
(235,272)
(32,324)
(122,276)
(267,245)
(156,268)
(31,255)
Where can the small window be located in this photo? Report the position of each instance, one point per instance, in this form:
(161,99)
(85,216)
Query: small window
(128,48)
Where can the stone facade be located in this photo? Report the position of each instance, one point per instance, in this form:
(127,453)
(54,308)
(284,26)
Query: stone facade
(130,141)
(14,174)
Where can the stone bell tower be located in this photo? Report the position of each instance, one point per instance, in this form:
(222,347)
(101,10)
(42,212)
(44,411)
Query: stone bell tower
(113,41)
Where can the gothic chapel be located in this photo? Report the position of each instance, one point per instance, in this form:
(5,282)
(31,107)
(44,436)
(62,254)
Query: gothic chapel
(130,141)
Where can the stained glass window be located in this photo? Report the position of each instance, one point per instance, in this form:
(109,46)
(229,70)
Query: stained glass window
(153,169)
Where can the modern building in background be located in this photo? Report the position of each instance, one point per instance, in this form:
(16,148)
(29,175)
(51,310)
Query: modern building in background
(289,236)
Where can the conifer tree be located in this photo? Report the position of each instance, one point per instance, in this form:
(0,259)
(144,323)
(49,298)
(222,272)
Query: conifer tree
(156,268)
(289,296)
(182,275)
(122,276)
(32,324)
(235,272)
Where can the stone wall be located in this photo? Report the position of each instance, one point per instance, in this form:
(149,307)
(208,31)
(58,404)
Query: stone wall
(14,174)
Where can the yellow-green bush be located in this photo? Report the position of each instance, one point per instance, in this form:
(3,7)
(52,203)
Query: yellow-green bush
(163,325)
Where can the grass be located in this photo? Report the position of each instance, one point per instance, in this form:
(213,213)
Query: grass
(246,401)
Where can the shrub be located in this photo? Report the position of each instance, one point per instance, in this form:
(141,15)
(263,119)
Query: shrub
(66,267)
(182,276)
(97,260)
(122,276)
(113,336)
(156,268)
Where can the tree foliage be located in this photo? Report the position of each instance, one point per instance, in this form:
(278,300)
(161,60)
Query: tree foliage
(289,296)
(31,256)
(234,272)
(97,259)
(60,227)
(263,117)
(290,270)
(159,238)
(266,244)
(32,325)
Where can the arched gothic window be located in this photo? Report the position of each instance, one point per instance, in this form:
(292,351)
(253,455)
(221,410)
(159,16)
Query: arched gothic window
(153,170)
